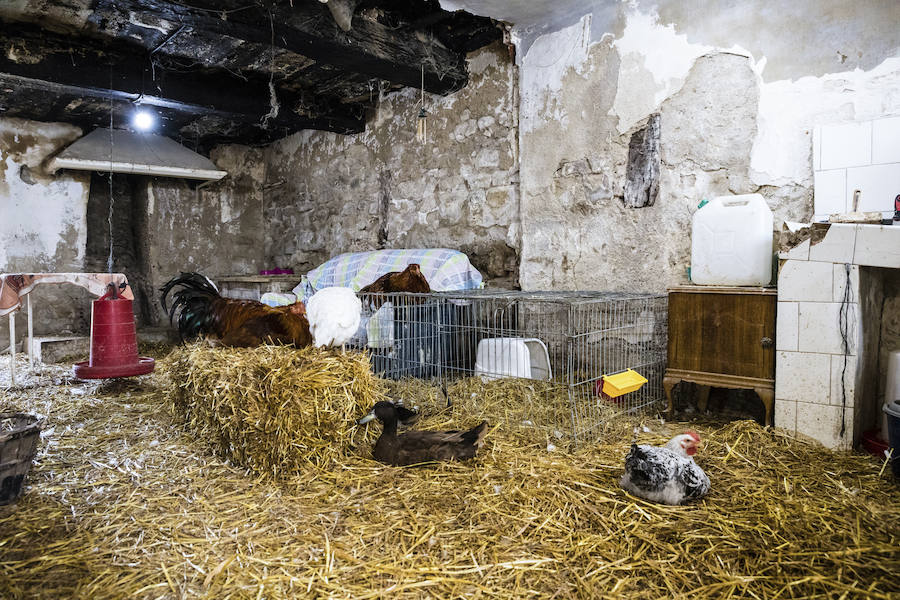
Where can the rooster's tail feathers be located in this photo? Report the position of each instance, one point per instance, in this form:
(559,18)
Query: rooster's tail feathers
(191,301)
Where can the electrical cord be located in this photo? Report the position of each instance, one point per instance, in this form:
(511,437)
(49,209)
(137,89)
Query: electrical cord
(844,325)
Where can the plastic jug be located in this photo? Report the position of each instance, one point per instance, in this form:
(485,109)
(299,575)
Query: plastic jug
(731,242)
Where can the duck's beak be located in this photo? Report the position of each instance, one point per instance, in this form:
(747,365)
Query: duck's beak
(366,418)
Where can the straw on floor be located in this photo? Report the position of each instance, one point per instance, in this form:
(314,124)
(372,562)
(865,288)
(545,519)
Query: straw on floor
(124,503)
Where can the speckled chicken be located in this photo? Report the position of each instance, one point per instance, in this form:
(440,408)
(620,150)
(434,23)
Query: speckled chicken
(668,475)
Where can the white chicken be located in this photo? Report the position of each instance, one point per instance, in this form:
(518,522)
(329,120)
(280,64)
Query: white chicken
(334,314)
(669,474)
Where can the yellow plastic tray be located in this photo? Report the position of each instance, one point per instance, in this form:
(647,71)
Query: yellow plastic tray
(622,383)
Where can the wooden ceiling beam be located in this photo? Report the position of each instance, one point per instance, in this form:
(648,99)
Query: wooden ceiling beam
(308,29)
(113,71)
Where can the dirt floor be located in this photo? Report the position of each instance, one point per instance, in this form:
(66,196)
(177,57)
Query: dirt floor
(123,502)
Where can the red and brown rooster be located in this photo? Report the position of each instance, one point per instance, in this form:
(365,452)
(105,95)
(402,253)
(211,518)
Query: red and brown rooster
(202,310)
(410,279)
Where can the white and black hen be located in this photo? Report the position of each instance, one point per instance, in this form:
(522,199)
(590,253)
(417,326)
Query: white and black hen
(669,474)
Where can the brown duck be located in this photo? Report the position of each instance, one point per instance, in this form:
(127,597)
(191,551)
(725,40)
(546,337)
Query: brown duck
(413,447)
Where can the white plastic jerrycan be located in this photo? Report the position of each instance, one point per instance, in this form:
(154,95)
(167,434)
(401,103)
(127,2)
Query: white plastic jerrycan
(731,242)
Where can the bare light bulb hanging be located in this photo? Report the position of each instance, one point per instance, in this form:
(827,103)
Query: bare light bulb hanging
(143,120)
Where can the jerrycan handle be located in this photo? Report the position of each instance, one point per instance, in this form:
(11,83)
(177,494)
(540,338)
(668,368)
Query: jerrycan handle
(735,202)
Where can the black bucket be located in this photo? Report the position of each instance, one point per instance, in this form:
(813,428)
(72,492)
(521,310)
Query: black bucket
(19,437)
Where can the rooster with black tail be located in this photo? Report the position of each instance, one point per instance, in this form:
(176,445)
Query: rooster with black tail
(201,310)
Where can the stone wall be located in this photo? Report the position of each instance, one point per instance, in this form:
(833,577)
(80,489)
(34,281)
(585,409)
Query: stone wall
(216,229)
(326,194)
(736,103)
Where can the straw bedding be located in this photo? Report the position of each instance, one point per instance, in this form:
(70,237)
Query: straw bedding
(125,502)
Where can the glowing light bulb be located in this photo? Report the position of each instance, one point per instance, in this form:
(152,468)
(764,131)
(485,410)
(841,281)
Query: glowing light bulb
(143,120)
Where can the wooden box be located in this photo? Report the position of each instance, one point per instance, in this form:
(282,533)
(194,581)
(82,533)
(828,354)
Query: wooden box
(722,337)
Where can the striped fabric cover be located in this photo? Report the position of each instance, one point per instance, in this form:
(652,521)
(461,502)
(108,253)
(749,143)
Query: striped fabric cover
(445,270)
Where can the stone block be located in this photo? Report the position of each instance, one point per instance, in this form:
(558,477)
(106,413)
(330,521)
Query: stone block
(803,376)
(820,327)
(840,282)
(798,252)
(836,246)
(786,414)
(504,178)
(787,326)
(485,122)
(498,197)
(878,246)
(823,423)
(487,157)
(837,367)
(49,349)
(804,280)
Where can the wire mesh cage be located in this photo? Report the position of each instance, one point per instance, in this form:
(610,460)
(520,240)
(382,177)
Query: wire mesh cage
(561,344)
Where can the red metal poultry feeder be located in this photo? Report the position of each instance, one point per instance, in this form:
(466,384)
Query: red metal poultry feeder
(113,342)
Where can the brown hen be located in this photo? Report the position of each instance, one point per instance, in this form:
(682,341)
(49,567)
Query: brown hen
(410,279)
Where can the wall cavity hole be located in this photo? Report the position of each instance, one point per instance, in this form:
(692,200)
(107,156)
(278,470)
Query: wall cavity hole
(26,175)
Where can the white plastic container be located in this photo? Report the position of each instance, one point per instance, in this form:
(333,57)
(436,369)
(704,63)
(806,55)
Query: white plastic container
(512,357)
(731,242)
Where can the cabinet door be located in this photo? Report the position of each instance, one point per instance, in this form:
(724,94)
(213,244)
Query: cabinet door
(732,334)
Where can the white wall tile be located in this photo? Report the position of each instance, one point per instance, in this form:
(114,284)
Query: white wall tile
(819,328)
(786,326)
(786,414)
(837,366)
(846,145)
(877,246)
(798,252)
(830,192)
(817,148)
(823,423)
(840,282)
(878,184)
(885,141)
(836,246)
(802,376)
(804,280)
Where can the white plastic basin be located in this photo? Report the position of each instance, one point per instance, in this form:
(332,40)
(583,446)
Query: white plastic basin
(512,357)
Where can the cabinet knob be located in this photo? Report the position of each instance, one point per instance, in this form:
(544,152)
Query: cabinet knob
(766,342)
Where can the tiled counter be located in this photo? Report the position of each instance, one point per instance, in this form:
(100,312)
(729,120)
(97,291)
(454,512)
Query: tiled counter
(810,352)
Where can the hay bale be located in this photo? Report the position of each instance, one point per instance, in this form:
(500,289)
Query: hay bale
(272,409)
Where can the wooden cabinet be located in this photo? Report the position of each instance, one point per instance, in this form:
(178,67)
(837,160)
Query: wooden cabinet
(722,337)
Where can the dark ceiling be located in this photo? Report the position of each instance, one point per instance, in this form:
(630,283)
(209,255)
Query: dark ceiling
(214,71)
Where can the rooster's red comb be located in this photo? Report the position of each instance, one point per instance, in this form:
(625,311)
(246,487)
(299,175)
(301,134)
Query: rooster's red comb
(693,434)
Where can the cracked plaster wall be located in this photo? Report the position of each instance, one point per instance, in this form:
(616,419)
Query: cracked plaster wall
(42,221)
(738,97)
(327,194)
(45,222)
